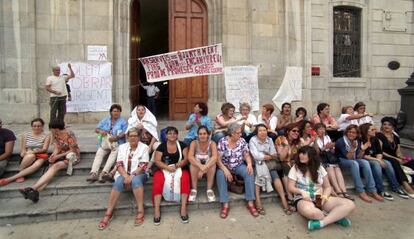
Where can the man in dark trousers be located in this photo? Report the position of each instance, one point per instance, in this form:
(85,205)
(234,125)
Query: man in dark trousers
(56,86)
(152,94)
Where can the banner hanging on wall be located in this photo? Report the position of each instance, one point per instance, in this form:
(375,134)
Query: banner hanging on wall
(241,86)
(199,61)
(91,89)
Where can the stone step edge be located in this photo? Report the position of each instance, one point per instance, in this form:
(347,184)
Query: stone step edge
(123,209)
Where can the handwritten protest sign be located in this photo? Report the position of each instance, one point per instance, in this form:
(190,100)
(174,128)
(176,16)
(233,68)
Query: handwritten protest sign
(97,53)
(291,88)
(241,86)
(199,61)
(91,89)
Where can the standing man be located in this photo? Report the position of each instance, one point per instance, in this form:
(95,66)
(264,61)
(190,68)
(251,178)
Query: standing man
(7,139)
(56,85)
(152,95)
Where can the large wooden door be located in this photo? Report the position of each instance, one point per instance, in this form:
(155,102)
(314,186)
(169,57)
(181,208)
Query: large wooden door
(187,29)
(135,44)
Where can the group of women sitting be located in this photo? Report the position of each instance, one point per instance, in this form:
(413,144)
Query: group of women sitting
(34,153)
(298,157)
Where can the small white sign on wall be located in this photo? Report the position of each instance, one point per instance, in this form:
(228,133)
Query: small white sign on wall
(97,53)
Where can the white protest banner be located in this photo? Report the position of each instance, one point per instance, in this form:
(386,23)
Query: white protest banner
(97,53)
(242,86)
(199,61)
(291,88)
(91,89)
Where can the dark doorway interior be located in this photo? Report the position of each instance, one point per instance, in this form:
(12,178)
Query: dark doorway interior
(154,40)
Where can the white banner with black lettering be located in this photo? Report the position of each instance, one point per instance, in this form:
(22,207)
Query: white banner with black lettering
(199,61)
(91,89)
(242,86)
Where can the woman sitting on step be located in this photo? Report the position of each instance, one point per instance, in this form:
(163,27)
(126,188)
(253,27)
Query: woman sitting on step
(131,163)
(267,163)
(65,155)
(391,150)
(350,151)
(111,134)
(35,144)
(203,158)
(234,159)
(309,183)
(172,171)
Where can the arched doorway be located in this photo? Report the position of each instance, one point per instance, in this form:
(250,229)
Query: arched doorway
(159,26)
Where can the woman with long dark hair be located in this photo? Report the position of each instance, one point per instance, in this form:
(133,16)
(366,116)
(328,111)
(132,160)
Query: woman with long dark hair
(377,162)
(350,152)
(391,150)
(309,183)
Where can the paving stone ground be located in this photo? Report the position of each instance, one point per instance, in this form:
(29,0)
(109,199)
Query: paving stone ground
(377,220)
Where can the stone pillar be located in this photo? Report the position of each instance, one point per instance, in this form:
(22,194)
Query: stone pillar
(407,98)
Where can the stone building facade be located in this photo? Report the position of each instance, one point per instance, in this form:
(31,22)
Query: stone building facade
(271,34)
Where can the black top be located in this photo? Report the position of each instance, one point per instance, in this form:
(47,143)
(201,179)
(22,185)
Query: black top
(6,135)
(387,146)
(170,158)
(375,148)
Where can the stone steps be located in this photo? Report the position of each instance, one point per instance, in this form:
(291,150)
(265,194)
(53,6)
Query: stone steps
(93,205)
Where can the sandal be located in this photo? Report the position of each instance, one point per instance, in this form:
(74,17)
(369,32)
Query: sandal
(92,178)
(192,196)
(288,211)
(104,224)
(291,205)
(347,196)
(139,220)
(224,212)
(109,177)
(261,211)
(252,209)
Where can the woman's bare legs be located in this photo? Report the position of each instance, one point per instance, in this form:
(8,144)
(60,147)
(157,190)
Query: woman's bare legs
(48,176)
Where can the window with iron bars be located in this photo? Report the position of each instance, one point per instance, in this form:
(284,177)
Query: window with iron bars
(347,42)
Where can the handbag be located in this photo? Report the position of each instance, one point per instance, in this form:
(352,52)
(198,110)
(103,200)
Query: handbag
(327,157)
(42,156)
(273,164)
(236,185)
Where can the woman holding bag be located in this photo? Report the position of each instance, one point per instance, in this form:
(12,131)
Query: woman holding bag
(309,184)
(266,160)
(234,159)
(111,133)
(171,157)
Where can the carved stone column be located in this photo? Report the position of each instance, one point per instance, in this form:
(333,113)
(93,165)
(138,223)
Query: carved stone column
(407,100)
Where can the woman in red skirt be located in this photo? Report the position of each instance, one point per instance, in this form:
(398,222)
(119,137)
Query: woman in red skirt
(170,157)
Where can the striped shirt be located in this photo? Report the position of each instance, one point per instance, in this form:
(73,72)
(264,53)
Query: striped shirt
(33,142)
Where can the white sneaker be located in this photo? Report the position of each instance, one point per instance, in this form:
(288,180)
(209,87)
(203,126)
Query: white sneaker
(411,195)
(210,196)
(193,195)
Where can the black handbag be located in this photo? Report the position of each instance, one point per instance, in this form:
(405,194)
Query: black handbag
(327,157)
(237,185)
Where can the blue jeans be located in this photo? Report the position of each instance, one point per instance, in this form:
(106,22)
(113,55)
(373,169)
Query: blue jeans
(354,166)
(248,183)
(137,181)
(217,136)
(274,175)
(377,173)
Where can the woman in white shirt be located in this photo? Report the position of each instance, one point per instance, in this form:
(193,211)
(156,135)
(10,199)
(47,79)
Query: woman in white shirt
(247,120)
(325,148)
(131,164)
(309,183)
(359,108)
